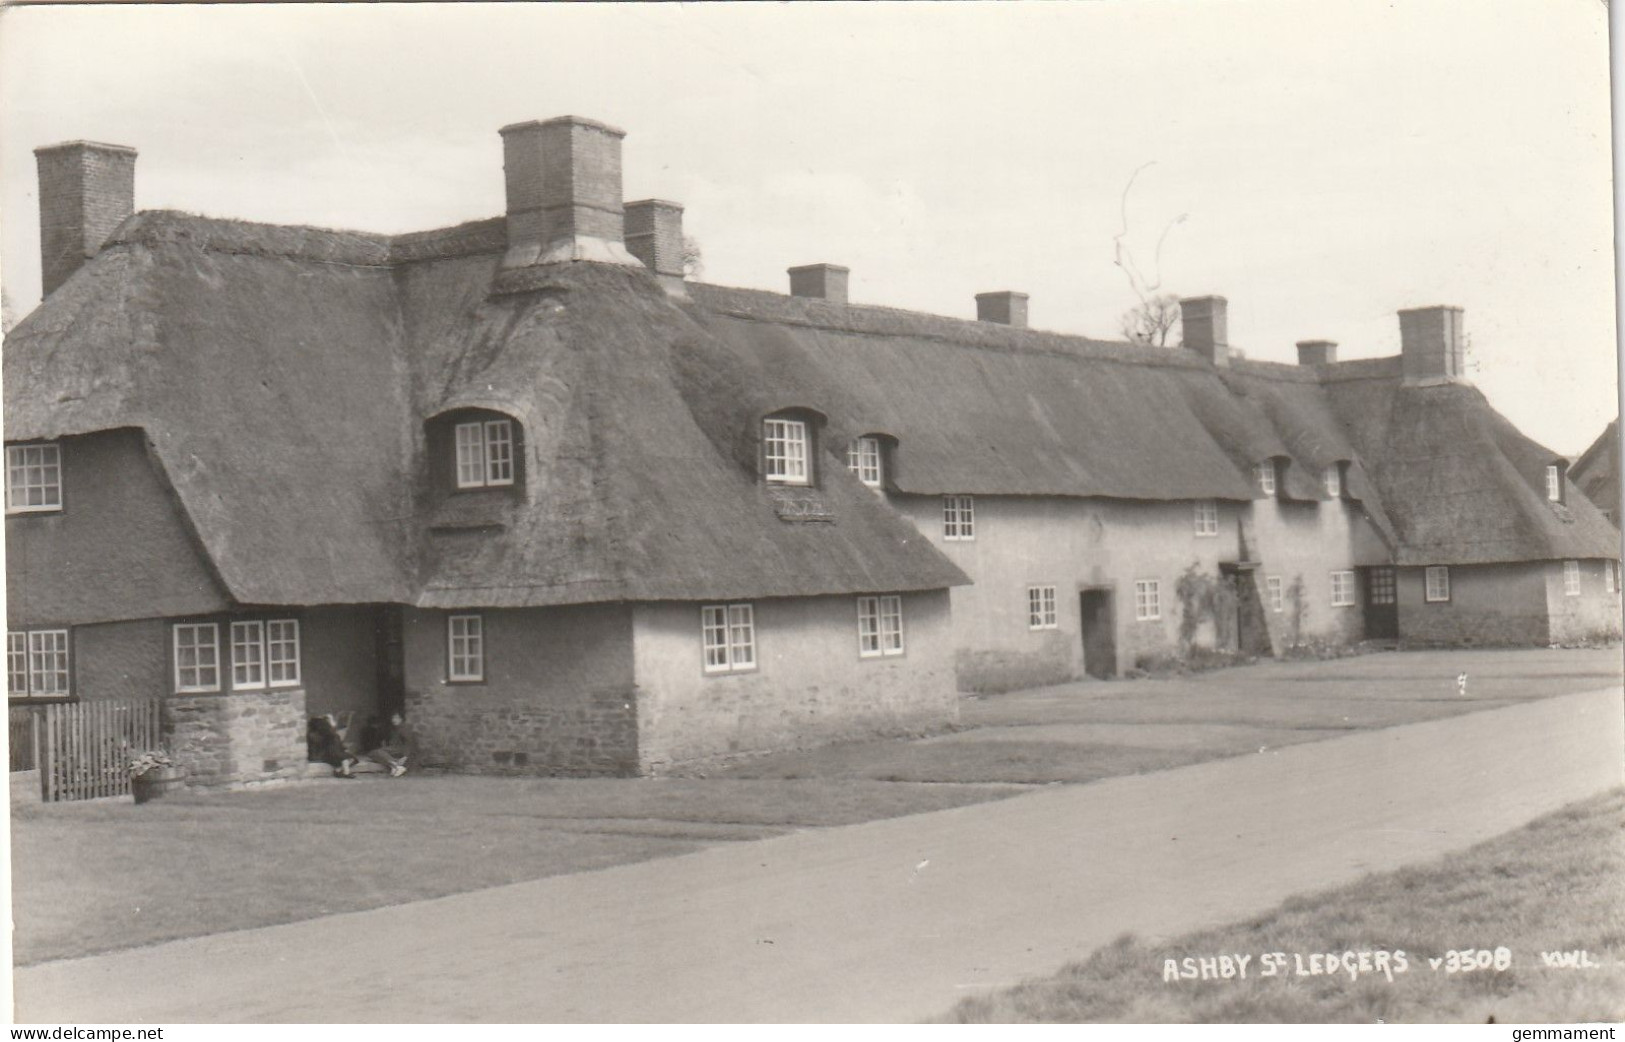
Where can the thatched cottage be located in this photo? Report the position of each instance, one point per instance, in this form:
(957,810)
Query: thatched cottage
(1596,473)
(577,514)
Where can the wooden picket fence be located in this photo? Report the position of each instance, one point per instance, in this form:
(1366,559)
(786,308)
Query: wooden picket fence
(86,747)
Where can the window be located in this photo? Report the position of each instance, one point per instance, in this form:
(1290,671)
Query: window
(1611,582)
(1264,474)
(1571,578)
(1380,586)
(1554,483)
(264,652)
(1437,584)
(1147,599)
(37,663)
(1041,608)
(465,648)
(1207,517)
(1332,478)
(1342,589)
(958,517)
(197,657)
(729,632)
(484,454)
(1277,596)
(863,459)
(880,626)
(247,654)
(282,651)
(33,478)
(785,442)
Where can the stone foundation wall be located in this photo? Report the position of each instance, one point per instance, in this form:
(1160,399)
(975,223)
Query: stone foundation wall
(242,737)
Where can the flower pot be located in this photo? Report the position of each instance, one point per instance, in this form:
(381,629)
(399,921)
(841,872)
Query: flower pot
(156,783)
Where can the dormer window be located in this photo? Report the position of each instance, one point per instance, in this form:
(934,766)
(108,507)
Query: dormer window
(1554,482)
(786,452)
(1332,478)
(1264,476)
(863,459)
(485,454)
(33,478)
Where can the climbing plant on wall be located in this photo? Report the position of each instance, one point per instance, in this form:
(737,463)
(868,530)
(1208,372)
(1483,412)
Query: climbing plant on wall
(1205,597)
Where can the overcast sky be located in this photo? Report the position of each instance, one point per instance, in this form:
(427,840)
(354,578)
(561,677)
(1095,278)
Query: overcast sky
(1333,161)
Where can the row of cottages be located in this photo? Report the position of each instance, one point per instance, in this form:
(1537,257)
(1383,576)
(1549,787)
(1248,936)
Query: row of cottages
(577,515)
(1596,473)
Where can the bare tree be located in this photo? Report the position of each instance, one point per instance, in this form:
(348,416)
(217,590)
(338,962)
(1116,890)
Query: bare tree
(693,260)
(8,317)
(1153,321)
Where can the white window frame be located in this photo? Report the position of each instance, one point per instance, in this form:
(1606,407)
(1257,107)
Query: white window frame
(484,453)
(1571,579)
(1041,613)
(282,668)
(247,655)
(1276,592)
(786,452)
(39,664)
(1332,480)
(33,468)
(1554,484)
(958,518)
(1207,517)
(863,459)
(880,626)
(198,667)
(465,648)
(728,637)
(1147,600)
(1436,584)
(1264,474)
(1343,595)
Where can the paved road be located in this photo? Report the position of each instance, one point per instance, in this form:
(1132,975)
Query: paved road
(891,920)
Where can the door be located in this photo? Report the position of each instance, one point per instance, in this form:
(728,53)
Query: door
(391,656)
(1381,604)
(1099,633)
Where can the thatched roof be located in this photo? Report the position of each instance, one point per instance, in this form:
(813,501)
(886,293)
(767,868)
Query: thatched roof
(1596,473)
(286,377)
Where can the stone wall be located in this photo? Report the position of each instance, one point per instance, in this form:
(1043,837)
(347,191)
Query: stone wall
(1490,604)
(249,736)
(1588,617)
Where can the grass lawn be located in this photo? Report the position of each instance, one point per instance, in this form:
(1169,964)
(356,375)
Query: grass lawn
(108,874)
(1551,886)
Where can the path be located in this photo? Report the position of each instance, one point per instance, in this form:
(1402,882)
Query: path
(890,920)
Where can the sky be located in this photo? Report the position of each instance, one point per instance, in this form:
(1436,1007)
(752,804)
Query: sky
(1321,165)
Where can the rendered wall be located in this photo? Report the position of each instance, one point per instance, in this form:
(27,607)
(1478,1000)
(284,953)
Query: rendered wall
(1591,616)
(810,685)
(1302,544)
(1494,604)
(121,660)
(558,694)
(339,648)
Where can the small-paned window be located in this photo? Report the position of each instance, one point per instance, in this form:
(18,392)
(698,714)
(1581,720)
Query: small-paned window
(484,454)
(1277,595)
(863,459)
(1554,483)
(37,663)
(264,653)
(1207,517)
(1342,589)
(1332,478)
(247,654)
(197,656)
(1437,584)
(1264,474)
(1571,578)
(1381,587)
(1041,608)
(785,452)
(282,651)
(958,518)
(1147,599)
(880,626)
(33,478)
(728,632)
(465,648)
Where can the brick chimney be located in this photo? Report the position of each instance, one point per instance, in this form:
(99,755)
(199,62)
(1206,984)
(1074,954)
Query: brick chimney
(564,192)
(1006,307)
(654,235)
(823,281)
(1431,348)
(86,190)
(1317,352)
(1206,325)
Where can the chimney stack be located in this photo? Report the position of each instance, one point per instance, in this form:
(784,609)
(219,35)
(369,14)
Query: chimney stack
(654,235)
(1317,352)
(822,281)
(1431,347)
(563,178)
(86,190)
(1206,325)
(1006,307)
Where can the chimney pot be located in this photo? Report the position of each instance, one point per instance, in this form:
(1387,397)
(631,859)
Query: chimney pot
(1431,346)
(563,180)
(87,189)
(1317,352)
(1006,307)
(654,235)
(1206,325)
(821,281)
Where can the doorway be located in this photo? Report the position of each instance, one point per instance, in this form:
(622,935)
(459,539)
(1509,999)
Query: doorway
(1381,604)
(1099,632)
